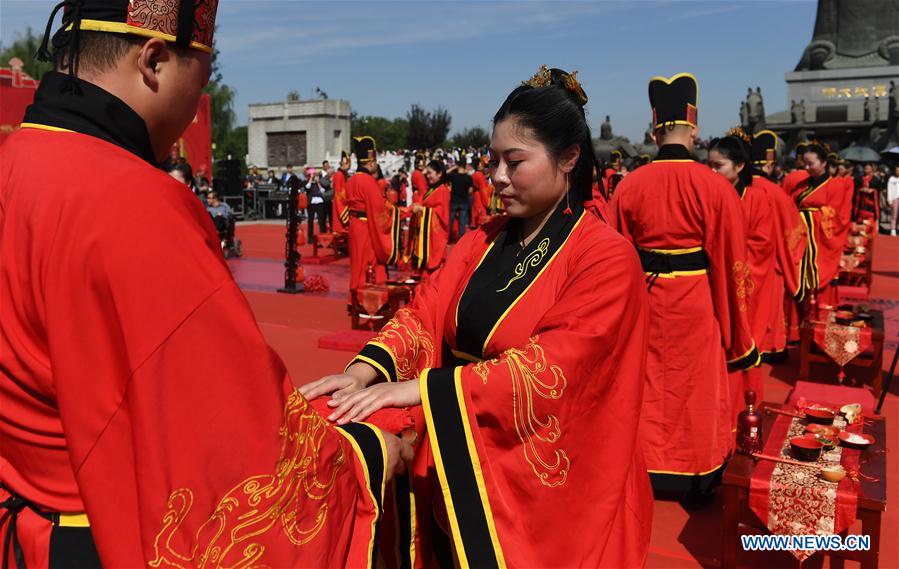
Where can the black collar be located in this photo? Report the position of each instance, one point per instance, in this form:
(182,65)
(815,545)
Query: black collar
(90,110)
(741,188)
(815,182)
(674,152)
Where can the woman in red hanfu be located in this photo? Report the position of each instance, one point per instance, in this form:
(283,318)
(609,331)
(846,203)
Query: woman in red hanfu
(429,249)
(730,157)
(526,352)
(789,241)
(480,206)
(825,203)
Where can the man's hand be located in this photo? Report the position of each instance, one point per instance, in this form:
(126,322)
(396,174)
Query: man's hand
(356,378)
(360,405)
(399,452)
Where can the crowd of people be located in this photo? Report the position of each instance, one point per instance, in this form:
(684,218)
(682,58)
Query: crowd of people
(584,344)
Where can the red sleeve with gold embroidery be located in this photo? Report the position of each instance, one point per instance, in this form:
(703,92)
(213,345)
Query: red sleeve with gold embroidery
(340,215)
(512,439)
(185,456)
(725,245)
(790,236)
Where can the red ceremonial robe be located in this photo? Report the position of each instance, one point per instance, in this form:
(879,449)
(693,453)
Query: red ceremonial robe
(599,203)
(760,285)
(480,205)
(789,247)
(116,411)
(793,179)
(373,231)
(531,366)
(419,186)
(867,203)
(433,229)
(688,224)
(340,213)
(826,207)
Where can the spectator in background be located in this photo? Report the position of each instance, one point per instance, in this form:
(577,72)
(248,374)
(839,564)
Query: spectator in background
(893,199)
(219,211)
(461,186)
(271,178)
(316,200)
(327,192)
(201,182)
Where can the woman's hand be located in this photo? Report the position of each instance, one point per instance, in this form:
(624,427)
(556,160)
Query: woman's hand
(356,378)
(360,405)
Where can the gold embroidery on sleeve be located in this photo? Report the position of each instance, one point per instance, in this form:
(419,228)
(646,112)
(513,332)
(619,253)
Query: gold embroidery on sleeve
(532,260)
(744,285)
(410,343)
(827,215)
(255,506)
(533,377)
(794,237)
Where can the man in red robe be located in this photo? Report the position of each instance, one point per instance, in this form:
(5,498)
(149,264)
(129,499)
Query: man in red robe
(374,229)
(480,207)
(687,224)
(145,421)
(340,213)
(419,183)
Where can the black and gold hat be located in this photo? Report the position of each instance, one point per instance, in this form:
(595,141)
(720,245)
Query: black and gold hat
(764,147)
(365,148)
(674,100)
(801,146)
(186,23)
(616,157)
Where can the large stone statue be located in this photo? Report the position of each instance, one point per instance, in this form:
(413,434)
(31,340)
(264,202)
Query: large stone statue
(755,111)
(797,112)
(605,130)
(744,116)
(853,33)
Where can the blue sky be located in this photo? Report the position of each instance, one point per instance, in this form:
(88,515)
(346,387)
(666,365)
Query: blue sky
(467,55)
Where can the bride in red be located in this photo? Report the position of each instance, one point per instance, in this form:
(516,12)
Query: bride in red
(526,352)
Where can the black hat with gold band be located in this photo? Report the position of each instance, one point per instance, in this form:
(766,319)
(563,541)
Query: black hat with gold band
(764,147)
(365,148)
(616,157)
(674,100)
(186,23)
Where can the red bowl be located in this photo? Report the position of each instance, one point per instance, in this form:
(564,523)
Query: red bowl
(820,416)
(844,441)
(806,449)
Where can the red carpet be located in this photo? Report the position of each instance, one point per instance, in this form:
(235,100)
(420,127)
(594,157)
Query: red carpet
(295,324)
(346,340)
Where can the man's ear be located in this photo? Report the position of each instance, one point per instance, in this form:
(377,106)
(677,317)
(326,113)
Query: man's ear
(151,57)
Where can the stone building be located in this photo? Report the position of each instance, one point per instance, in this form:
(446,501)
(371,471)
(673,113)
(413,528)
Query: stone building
(298,132)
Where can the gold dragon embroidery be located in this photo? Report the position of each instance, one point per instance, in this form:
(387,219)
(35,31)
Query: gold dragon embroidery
(255,506)
(827,216)
(410,343)
(532,260)
(744,284)
(532,377)
(794,237)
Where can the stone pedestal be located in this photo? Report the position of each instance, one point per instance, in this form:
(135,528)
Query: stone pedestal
(838,95)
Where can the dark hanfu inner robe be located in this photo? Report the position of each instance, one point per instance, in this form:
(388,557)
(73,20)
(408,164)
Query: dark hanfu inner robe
(790,242)
(531,364)
(374,230)
(826,207)
(433,229)
(136,385)
(674,209)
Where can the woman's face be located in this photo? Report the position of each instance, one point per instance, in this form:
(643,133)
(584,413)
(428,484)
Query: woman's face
(431,175)
(814,165)
(723,165)
(528,180)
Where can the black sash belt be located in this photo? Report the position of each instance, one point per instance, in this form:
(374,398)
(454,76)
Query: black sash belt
(13,506)
(357,214)
(656,264)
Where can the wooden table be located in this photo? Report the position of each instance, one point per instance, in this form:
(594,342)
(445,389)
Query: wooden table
(872,496)
(338,243)
(809,353)
(397,295)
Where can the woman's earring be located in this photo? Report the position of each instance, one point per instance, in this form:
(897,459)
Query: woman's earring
(567,210)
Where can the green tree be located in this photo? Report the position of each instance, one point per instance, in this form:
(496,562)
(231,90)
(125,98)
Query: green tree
(475,137)
(25,47)
(235,144)
(221,110)
(427,129)
(390,134)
